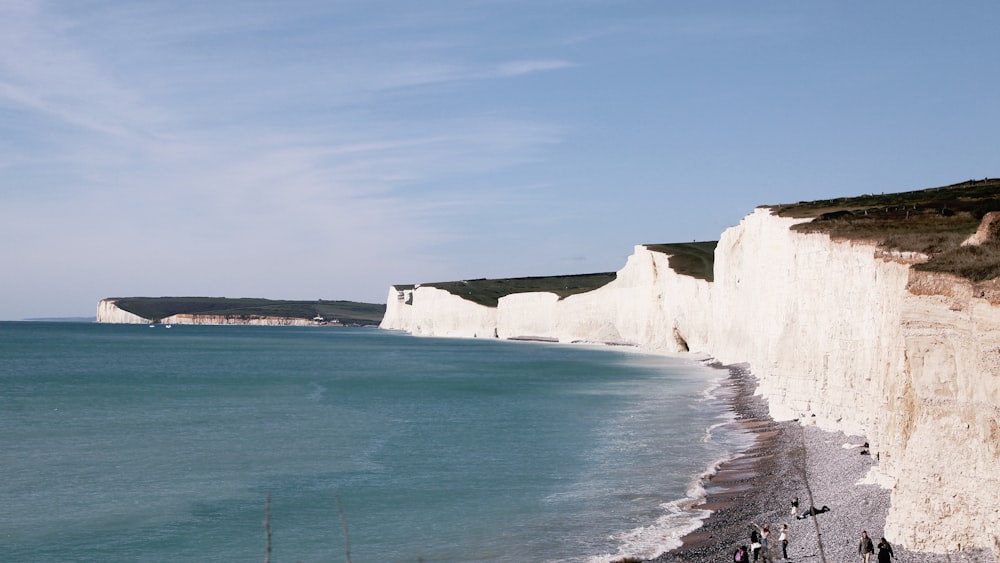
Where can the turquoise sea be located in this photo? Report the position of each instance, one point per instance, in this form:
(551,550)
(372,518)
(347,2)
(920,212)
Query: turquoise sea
(131,443)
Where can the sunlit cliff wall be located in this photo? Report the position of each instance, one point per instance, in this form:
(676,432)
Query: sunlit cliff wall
(108,312)
(242,320)
(839,333)
(424,316)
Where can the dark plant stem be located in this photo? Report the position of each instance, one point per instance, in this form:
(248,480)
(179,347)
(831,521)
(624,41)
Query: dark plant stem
(343,520)
(267,528)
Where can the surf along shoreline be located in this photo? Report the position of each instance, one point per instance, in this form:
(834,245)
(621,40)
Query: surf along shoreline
(734,493)
(793,459)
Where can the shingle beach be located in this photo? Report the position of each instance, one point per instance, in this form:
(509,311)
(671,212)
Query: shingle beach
(795,459)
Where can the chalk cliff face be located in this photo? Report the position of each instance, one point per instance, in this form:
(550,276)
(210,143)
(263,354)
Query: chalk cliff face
(243,320)
(108,312)
(840,334)
(422,316)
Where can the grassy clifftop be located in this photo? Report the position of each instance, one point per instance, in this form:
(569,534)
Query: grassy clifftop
(695,259)
(487,292)
(347,312)
(933,221)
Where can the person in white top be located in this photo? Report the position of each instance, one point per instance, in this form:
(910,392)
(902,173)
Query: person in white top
(783,538)
(765,536)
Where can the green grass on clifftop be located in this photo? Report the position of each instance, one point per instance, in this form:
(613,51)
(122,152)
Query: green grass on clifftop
(488,292)
(347,312)
(933,221)
(695,259)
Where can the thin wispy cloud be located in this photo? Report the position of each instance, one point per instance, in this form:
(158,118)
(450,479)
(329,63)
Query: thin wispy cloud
(517,68)
(153,147)
(43,70)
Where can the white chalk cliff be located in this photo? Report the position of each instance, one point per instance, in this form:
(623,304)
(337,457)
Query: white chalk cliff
(840,334)
(109,312)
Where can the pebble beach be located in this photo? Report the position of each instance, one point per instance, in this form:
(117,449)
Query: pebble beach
(795,459)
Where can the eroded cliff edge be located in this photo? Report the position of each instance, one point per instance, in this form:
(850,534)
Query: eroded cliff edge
(840,333)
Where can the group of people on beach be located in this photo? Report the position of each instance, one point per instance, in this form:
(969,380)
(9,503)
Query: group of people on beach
(760,546)
(866,549)
(760,536)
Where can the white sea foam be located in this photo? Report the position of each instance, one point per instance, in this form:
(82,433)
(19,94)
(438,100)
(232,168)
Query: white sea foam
(711,429)
(665,534)
(316,392)
(679,518)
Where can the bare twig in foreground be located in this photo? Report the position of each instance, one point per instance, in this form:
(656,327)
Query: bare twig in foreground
(267,528)
(343,520)
(805,479)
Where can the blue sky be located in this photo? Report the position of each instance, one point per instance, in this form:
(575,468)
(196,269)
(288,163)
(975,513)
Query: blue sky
(306,149)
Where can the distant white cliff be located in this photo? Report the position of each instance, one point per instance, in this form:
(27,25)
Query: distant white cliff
(839,333)
(109,312)
(241,320)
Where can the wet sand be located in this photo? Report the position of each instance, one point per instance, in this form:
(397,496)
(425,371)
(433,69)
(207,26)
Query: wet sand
(791,459)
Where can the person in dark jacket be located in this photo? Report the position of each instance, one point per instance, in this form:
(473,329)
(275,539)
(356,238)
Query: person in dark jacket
(812,511)
(884,551)
(866,548)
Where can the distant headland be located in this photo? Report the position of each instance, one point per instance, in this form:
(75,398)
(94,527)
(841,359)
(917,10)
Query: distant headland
(237,311)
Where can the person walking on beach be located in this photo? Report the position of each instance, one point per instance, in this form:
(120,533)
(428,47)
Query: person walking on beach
(884,551)
(795,506)
(741,555)
(783,538)
(866,548)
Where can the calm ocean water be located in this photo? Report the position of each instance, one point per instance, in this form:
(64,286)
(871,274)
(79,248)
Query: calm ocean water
(130,443)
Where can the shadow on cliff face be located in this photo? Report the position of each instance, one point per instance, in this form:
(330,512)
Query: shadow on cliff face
(681,341)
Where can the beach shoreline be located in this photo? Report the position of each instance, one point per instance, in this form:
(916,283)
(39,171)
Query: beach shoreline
(793,459)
